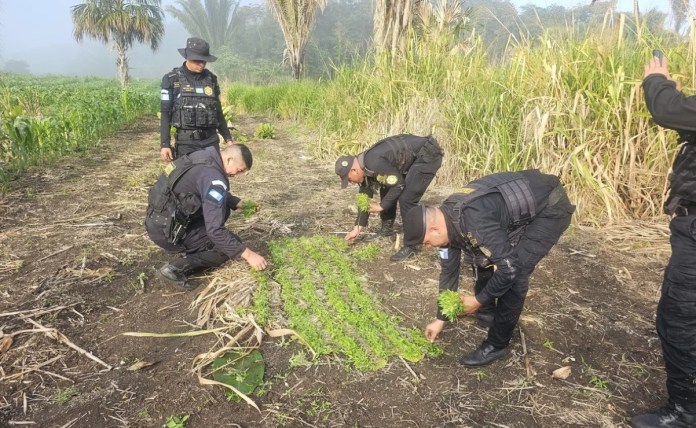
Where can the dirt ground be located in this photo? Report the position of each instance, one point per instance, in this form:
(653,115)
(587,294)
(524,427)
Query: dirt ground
(75,260)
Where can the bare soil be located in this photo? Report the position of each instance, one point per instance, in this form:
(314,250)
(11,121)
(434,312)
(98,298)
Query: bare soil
(72,236)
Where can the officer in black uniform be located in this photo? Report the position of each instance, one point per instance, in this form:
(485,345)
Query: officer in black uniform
(505,223)
(401,167)
(676,311)
(188,207)
(190,102)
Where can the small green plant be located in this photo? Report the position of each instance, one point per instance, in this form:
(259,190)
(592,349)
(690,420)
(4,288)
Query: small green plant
(548,344)
(598,382)
(363,202)
(265,131)
(480,375)
(248,208)
(176,421)
(367,253)
(450,304)
(299,360)
(62,396)
(109,276)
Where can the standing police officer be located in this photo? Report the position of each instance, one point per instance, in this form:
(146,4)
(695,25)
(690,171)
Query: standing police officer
(676,311)
(507,220)
(188,207)
(190,102)
(402,167)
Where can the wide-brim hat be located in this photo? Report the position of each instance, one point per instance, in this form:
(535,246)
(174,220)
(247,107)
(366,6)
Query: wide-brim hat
(197,49)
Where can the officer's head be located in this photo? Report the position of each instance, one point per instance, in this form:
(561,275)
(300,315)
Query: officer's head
(425,225)
(350,171)
(236,159)
(197,54)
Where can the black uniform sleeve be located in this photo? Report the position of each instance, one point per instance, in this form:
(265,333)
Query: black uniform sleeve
(222,127)
(485,225)
(363,216)
(215,209)
(166,104)
(450,265)
(232,202)
(669,107)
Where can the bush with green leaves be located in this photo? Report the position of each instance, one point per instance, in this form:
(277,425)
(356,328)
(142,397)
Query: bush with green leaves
(451,304)
(265,131)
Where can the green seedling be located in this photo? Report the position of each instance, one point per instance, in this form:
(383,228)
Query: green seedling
(598,382)
(62,396)
(242,371)
(451,304)
(363,202)
(367,253)
(265,131)
(480,375)
(248,208)
(548,344)
(176,421)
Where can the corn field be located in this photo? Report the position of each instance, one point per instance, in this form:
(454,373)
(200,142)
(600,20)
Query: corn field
(45,117)
(567,103)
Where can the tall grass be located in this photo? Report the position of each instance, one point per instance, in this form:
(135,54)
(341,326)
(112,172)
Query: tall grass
(45,117)
(567,103)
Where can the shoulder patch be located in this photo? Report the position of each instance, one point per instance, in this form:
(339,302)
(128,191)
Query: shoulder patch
(164,95)
(392,179)
(208,91)
(216,192)
(466,190)
(169,168)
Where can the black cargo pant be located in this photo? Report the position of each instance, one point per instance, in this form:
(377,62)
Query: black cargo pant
(676,313)
(535,242)
(197,251)
(185,146)
(416,182)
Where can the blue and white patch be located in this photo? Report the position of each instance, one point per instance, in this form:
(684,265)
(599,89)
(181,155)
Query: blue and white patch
(164,95)
(215,194)
(199,90)
(444,253)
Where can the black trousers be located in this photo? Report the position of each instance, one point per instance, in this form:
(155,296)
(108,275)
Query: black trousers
(538,238)
(416,182)
(196,251)
(676,313)
(184,147)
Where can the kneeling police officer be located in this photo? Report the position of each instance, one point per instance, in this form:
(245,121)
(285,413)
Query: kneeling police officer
(505,223)
(188,207)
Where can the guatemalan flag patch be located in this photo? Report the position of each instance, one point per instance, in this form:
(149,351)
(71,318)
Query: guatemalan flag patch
(215,194)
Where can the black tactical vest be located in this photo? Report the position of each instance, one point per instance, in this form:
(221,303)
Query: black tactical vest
(682,179)
(195,103)
(169,212)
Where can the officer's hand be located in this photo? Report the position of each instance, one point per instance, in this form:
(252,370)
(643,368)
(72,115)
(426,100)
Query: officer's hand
(350,236)
(471,305)
(433,329)
(255,260)
(655,67)
(166,154)
(375,208)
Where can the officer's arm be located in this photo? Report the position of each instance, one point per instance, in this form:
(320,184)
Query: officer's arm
(668,106)
(222,123)
(232,202)
(166,104)
(495,239)
(450,264)
(363,216)
(215,209)
(395,181)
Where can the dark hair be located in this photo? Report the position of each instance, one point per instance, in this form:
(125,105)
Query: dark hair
(246,155)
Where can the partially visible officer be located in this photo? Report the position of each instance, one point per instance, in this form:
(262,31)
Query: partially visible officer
(676,311)
(188,207)
(190,102)
(401,167)
(506,222)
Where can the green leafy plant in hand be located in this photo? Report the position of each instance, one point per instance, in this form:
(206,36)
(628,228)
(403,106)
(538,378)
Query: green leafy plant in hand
(248,208)
(363,202)
(451,304)
(265,131)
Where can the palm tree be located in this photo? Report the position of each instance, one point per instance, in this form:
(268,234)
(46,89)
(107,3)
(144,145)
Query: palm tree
(391,24)
(121,22)
(212,21)
(296,18)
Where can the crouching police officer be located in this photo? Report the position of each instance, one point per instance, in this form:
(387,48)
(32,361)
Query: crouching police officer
(506,223)
(402,167)
(676,311)
(188,207)
(190,102)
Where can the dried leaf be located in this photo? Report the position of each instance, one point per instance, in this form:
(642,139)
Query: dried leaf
(413,267)
(561,373)
(5,344)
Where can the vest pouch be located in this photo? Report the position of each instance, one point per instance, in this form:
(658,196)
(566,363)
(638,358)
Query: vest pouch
(188,117)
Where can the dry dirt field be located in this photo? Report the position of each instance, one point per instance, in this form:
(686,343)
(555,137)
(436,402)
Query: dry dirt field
(76,268)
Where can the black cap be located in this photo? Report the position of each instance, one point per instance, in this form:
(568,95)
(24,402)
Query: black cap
(343,166)
(197,49)
(414,226)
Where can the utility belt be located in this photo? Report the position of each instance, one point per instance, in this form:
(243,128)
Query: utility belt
(430,150)
(194,134)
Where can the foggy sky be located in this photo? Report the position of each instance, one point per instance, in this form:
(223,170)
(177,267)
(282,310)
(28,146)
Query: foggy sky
(40,33)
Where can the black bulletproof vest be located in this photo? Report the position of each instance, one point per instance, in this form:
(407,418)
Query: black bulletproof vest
(195,103)
(682,178)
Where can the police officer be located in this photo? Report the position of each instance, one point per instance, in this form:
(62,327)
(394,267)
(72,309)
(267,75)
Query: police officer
(188,207)
(190,102)
(505,223)
(401,167)
(676,310)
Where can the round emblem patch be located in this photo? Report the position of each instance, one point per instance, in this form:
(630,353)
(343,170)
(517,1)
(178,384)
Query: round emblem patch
(344,163)
(392,179)
(208,91)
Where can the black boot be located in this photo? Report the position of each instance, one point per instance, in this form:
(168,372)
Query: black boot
(672,415)
(176,276)
(404,253)
(386,230)
(485,354)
